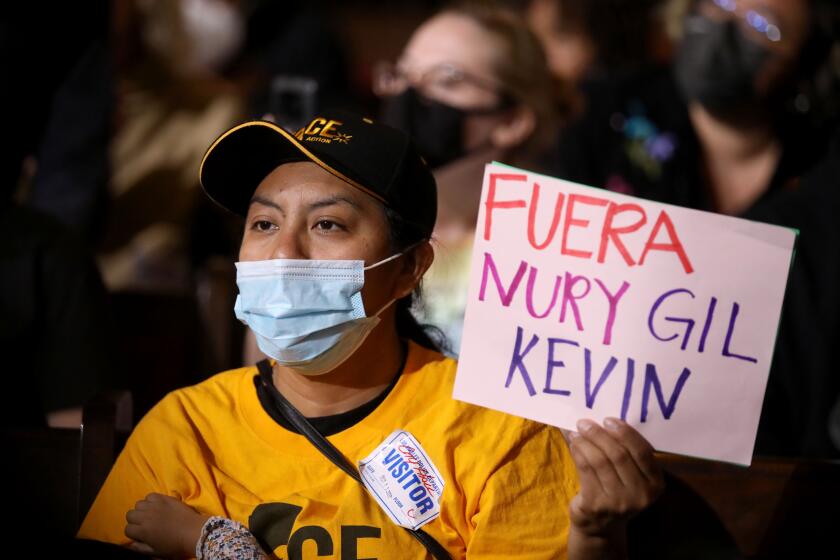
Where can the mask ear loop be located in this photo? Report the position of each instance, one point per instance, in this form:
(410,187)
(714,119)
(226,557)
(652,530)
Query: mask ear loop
(384,307)
(395,256)
(389,259)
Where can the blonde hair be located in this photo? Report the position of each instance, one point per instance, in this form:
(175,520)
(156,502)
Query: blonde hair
(520,68)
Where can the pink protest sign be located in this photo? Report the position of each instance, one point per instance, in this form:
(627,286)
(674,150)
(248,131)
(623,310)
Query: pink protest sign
(585,303)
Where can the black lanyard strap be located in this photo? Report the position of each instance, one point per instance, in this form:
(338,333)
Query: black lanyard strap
(306,429)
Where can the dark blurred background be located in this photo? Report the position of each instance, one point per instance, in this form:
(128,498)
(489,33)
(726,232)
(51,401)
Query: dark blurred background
(118,272)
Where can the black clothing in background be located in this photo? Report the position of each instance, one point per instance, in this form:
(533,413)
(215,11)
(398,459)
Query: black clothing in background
(287,39)
(53,319)
(633,137)
(804,383)
(56,103)
(71,182)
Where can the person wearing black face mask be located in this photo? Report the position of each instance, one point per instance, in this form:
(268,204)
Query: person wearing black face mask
(471,86)
(717,65)
(470,79)
(736,66)
(437,128)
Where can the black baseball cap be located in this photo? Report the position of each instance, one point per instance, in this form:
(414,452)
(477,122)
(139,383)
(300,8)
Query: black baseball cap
(372,157)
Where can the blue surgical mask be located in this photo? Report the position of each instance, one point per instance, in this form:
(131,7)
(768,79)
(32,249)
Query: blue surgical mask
(306,314)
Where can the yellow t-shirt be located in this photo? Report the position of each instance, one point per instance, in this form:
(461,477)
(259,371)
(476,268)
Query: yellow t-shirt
(508,481)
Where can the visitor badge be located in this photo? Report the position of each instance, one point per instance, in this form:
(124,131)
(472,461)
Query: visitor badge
(403,480)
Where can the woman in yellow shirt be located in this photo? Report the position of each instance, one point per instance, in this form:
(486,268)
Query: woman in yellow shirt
(337,222)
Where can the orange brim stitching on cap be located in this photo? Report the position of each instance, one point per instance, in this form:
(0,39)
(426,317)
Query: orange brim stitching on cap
(312,157)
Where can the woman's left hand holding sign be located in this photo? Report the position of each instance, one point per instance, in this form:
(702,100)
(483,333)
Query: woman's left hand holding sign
(619,477)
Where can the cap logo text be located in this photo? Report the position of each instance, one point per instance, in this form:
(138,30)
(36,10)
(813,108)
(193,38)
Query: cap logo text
(324,131)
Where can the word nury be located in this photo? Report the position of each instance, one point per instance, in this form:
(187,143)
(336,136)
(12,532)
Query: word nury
(568,300)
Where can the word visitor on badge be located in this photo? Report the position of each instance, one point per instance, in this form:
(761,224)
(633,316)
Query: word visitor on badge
(403,480)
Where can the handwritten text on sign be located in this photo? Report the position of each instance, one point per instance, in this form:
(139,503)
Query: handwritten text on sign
(587,303)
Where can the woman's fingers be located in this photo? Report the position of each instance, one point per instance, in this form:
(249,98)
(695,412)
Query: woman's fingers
(590,485)
(149,502)
(134,531)
(639,448)
(142,548)
(138,518)
(616,454)
(618,474)
(626,449)
(586,509)
(601,463)
(134,517)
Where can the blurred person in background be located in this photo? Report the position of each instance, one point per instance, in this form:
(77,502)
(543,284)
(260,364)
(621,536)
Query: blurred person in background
(744,120)
(54,325)
(173,97)
(188,69)
(740,103)
(592,40)
(743,68)
(470,87)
